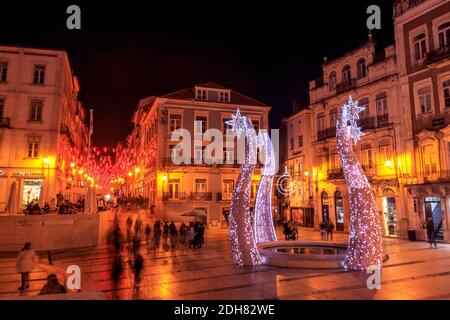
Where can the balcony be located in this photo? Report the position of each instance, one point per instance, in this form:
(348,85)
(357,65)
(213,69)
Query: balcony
(326,134)
(401,6)
(438,54)
(200,196)
(224,196)
(442,176)
(383,120)
(335,174)
(367,123)
(5,123)
(177,196)
(346,86)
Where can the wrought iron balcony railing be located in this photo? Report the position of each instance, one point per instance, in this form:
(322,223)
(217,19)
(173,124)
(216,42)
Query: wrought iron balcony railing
(438,54)
(326,133)
(174,196)
(334,174)
(200,196)
(224,196)
(346,85)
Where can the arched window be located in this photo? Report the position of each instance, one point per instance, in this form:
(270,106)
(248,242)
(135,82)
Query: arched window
(332,80)
(420,47)
(361,68)
(446,85)
(429,159)
(346,74)
(444,35)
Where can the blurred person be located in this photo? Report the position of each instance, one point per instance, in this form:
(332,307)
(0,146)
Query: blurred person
(52,286)
(25,264)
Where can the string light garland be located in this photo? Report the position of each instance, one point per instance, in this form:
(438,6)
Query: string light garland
(365,246)
(243,245)
(263,222)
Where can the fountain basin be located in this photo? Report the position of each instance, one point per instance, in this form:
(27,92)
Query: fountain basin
(303,254)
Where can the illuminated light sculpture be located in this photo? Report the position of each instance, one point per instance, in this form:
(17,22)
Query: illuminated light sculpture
(263,221)
(365,248)
(243,244)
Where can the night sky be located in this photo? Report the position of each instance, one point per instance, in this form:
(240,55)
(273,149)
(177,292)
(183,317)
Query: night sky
(125,52)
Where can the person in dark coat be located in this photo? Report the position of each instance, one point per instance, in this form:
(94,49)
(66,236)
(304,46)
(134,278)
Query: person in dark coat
(52,286)
(431,232)
(147,231)
(117,271)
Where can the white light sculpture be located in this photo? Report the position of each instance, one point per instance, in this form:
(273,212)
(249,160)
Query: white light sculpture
(263,221)
(365,247)
(241,232)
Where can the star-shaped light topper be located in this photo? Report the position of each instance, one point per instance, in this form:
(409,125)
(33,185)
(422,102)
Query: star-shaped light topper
(351,112)
(238,123)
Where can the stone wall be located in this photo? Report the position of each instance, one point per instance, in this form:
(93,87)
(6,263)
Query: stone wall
(53,232)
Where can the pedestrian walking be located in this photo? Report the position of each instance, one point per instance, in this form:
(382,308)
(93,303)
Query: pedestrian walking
(117,271)
(147,232)
(138,226)
(129,224)
(25,264)
(329,227)
(183,233)
(191,236)
(431,232)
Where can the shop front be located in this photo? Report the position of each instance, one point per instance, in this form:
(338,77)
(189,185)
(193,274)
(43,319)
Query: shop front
(390,219)
(339,210)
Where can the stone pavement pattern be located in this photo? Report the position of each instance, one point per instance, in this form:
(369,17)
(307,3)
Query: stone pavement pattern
(413,272)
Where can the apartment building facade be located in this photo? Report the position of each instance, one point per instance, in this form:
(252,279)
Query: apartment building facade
(404,151)
(422,35)
(41,122)
(173,188)
(369,77)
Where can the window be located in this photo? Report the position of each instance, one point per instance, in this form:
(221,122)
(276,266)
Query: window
(256,125)
(332,81)
(175,152)
(333,118)
(200,185)
(174,189)
(420,47)
(226,126)
(2,108)
(320,121)
(361,68)
(3,71)
(39,74)
(229,155)
(364,103)
(200,124)
(224,96)
(382,104)
(175,122)
(227,189)
(425,100)
(36,110)
(446,86)
(292,137)
(300,141)
(346,74)
(33,147)
(444,35)
(430,160)
(198,154)
(367,158)
(335,162)
(201,94)
(385,150)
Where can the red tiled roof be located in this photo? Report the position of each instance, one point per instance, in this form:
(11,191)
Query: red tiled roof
(236,97)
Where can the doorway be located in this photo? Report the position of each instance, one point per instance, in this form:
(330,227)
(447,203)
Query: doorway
(325,207)
(339,210)
(389,213)
(433,209)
